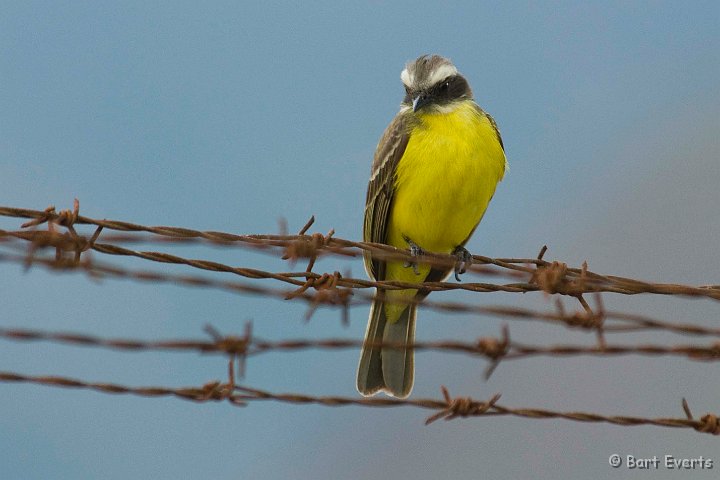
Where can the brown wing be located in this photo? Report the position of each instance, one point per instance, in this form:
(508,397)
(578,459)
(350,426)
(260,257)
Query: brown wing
(381,187)
(492,122)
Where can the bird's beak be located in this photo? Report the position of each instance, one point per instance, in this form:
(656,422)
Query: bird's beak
(420,101)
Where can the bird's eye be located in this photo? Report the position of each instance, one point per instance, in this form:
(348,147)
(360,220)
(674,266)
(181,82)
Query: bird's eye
(445,86)
(407,90)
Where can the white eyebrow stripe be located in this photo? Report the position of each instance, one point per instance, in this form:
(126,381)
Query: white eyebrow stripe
(441,73)
(407,78)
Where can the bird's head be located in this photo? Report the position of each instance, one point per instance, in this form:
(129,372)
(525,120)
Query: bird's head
(433,83)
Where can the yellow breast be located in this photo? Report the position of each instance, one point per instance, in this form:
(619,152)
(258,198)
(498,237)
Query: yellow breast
(445,179)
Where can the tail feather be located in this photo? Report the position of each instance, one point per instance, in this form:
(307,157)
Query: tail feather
(391,370)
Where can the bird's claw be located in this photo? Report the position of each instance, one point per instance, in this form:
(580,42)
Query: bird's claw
(415,251)
(464,260)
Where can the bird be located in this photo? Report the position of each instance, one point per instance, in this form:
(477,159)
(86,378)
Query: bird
(434,172)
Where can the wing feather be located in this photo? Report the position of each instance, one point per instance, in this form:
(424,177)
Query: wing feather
(381,187)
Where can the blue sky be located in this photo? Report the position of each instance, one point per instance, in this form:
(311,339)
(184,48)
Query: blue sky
(226,116)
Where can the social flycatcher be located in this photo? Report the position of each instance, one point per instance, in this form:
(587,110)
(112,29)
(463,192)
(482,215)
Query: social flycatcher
(435,170)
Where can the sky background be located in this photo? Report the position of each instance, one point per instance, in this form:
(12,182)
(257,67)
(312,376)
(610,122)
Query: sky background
(229,116)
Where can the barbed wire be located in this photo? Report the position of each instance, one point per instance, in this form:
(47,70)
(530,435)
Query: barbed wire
(448,408)
(625,322)
(333,289)
(248,345)
(551,277)
(495,349)
(28,245)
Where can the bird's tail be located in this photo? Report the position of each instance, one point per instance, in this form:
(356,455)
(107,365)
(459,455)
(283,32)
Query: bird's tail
(387,369)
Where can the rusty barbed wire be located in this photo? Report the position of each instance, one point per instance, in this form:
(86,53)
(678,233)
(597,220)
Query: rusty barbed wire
(551,277)
(494,349)
(72,249)
(333,289)
(448,408)
(490,347)
(628,322)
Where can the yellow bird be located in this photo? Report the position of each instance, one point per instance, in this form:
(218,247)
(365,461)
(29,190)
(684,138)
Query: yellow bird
(435,170)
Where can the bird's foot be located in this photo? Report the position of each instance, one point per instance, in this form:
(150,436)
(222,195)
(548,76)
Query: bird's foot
(415,251)
(464,260)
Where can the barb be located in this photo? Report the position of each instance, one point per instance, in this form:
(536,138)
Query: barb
(235,347)
(709,423)
(462,407)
